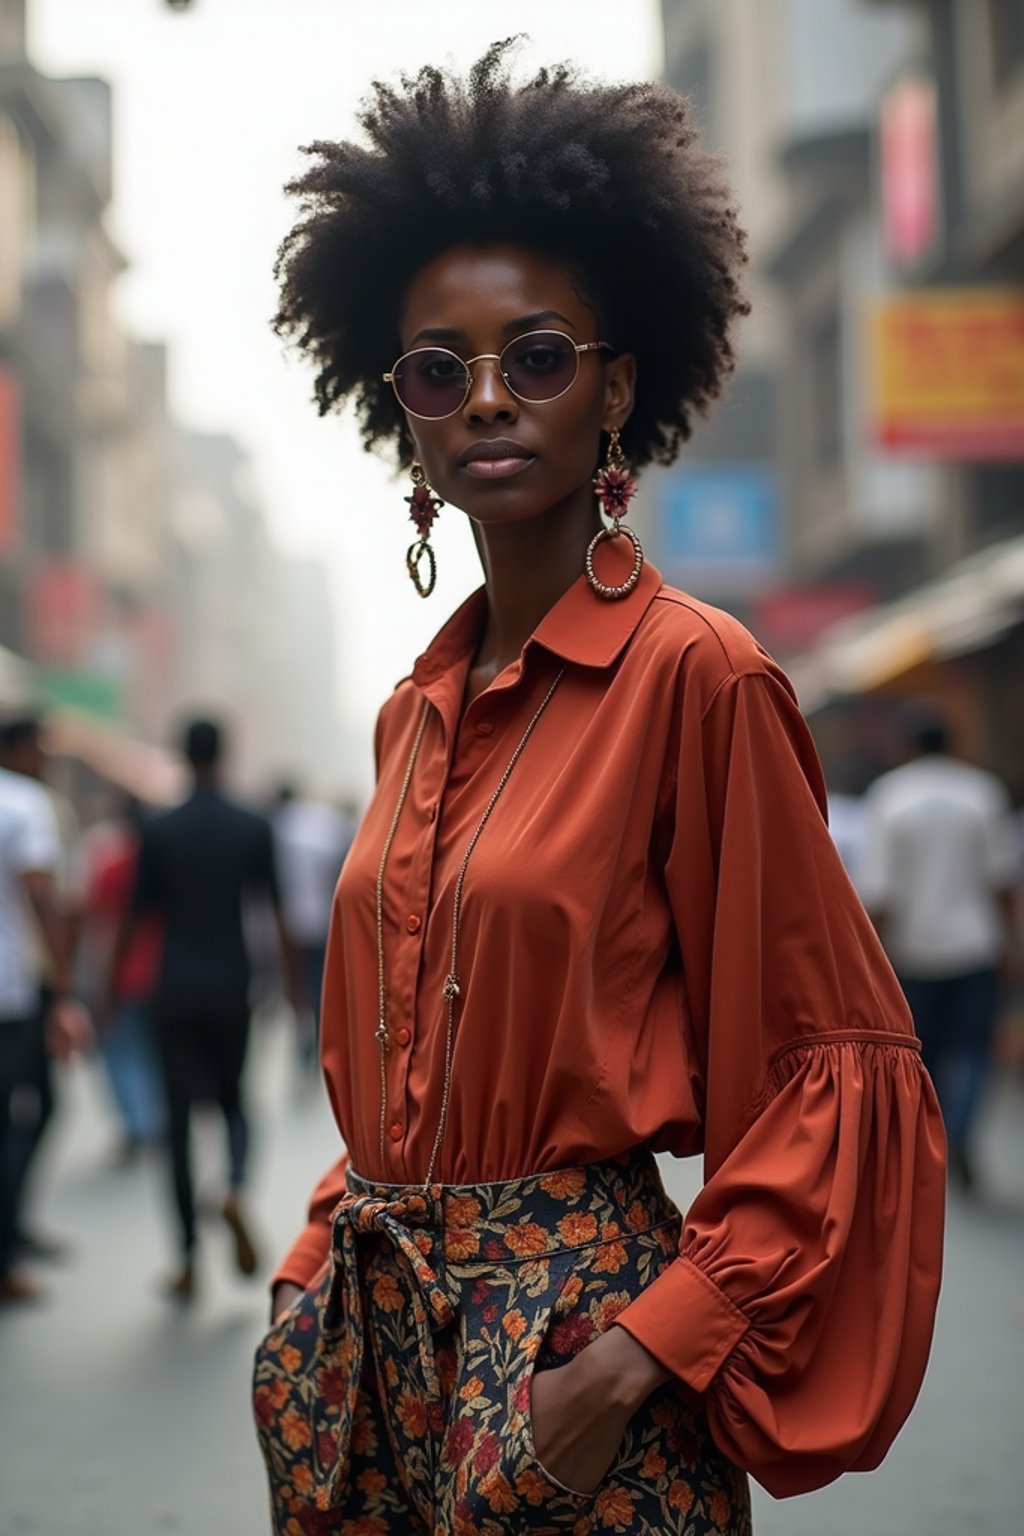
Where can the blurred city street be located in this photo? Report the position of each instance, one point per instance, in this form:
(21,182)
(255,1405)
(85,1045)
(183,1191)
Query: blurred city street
(811,345)
(124,1416)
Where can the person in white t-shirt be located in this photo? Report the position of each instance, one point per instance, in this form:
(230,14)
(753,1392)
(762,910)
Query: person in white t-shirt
(29,860)
(23,751)
(937,872)
(311,840)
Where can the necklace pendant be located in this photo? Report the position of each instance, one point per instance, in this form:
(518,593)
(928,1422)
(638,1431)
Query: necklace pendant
(451,987)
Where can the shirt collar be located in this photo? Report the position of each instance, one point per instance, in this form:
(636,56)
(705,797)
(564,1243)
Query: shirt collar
(581,627)
(594,631)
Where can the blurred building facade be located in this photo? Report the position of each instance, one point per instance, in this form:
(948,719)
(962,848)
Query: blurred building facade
(877,152)
(137,577)
(254,632)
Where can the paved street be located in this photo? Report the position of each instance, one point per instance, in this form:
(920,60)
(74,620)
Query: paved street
(120,1416)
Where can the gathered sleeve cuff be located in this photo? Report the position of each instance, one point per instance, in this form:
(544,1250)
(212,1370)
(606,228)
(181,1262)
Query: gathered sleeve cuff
(803,1298)
(308,1254)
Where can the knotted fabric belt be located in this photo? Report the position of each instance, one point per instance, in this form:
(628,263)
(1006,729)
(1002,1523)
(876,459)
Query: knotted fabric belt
(344,1320)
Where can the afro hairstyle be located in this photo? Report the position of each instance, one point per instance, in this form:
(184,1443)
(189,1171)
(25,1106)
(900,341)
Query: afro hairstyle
(610,179)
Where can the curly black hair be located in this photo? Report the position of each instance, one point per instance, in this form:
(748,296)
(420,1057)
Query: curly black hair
(610,179)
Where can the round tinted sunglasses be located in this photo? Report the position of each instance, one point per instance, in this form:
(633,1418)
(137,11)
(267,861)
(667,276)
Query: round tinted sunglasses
(433,382)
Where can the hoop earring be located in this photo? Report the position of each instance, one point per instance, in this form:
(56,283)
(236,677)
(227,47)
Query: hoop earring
(424,507)
(615,488)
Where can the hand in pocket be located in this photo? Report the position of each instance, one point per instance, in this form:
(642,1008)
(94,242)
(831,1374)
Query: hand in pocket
(286,1294)
(576,1431)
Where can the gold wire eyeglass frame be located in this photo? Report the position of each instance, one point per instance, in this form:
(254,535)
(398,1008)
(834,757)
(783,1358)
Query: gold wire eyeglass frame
(496,357)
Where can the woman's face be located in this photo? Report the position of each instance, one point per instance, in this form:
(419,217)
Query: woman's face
(476,299)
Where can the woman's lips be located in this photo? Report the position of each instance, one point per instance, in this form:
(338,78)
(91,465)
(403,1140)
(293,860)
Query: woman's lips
(498,469)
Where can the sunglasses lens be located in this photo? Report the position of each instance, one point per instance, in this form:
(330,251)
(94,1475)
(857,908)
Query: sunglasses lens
(431,382)
(540,366)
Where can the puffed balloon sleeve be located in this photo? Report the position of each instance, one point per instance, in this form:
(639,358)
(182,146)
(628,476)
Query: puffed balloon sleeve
(802,1302)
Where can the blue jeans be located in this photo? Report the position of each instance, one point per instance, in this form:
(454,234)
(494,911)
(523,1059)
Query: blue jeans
(955,1018)
(130,1057)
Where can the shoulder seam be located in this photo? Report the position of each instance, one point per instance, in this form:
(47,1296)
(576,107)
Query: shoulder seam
(733,677)
(680,602)
(694,607)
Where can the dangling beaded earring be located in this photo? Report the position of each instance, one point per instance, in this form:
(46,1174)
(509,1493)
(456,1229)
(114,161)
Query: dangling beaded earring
(424,508)
(615,489)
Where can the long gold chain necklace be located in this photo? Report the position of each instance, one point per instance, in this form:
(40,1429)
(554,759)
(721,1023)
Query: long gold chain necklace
(452,987)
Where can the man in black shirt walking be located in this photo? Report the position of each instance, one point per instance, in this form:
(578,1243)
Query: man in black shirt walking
(197,863)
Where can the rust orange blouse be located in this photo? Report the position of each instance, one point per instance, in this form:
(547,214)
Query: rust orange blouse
(660,948)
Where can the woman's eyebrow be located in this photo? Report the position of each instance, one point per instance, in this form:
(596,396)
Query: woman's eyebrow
(515,327)
(528,322)
(436,333)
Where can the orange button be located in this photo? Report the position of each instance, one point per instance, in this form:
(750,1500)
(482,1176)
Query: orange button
(402,1035)
(412,922)
(485,727)
(396,1132)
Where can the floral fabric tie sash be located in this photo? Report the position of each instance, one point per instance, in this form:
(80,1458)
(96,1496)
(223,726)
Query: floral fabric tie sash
(344,1320)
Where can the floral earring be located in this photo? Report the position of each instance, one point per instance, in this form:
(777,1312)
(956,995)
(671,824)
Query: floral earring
(615,489)
(424,507)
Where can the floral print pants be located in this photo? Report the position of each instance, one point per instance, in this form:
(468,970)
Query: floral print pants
(393,1398)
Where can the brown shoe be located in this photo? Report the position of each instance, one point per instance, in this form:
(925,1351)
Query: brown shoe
(182,1286)
(246,1258)
(16,1289)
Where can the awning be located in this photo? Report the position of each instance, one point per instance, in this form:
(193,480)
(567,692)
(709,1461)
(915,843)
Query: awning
(145,771)
(110,749)
(974,604)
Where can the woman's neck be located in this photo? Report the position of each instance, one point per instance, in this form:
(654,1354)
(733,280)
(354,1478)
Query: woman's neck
(527,567)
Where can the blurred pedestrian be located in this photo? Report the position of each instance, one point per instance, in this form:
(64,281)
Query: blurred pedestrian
(29,860)
(126,1036)
(197,864)
(937,873)
(593,909)
(846,811)
(22,751)
(312,839)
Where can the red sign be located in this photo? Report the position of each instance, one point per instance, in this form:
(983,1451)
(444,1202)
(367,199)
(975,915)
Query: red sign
(10,467)
(790,618)
(909,165)
(63,605)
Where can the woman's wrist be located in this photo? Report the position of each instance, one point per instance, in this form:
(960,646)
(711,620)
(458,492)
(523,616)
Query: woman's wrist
(625,1373)
(282,1295)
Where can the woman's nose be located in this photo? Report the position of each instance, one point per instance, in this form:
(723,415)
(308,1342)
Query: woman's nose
(489,398)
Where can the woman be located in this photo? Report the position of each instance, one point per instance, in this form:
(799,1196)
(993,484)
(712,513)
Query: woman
(593,910)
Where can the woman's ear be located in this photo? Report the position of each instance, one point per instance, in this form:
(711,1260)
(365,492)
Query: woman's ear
(619,391)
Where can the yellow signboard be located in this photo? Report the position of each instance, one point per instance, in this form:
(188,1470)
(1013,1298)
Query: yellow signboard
(947,373)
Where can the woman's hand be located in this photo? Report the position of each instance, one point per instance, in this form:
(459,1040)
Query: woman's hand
(580,1411)
(282,1297)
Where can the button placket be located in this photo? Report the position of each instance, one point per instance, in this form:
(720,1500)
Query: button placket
(408,955)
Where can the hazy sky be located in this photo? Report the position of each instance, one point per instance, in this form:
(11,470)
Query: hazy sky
(210,105)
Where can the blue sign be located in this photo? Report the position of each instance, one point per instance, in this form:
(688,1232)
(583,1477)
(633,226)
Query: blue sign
(719,524)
